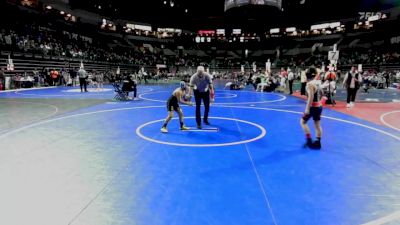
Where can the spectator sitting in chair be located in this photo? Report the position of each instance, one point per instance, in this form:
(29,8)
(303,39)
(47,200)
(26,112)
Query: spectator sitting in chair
(130,86)
(235,85)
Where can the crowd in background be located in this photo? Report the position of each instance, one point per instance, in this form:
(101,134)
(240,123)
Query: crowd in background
(37,34)
(39,40)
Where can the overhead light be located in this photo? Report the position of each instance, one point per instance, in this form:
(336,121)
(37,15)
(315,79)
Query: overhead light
(62,12)
(165,2)
(69,15)
(99,7)
(186,10)
(172,4)
(49,7)
(274,31)
(290,29)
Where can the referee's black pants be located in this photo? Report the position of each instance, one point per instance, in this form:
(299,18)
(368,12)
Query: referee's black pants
(205,96)
(83,84)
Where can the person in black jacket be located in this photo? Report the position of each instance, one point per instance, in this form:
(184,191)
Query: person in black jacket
(387,79)
(129,86)
(352,83)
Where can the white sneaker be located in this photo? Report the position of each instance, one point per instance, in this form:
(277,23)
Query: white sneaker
(352,104)
(348,105)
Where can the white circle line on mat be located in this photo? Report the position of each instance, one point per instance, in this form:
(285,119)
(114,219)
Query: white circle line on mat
(282,98)
(382,118)
(263,133)
(150,107)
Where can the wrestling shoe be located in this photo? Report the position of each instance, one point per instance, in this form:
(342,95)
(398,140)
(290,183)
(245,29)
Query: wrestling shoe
(184,128)
(308,143)
(316,145)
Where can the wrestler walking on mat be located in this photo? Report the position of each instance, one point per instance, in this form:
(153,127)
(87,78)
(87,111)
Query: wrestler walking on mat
(313,109)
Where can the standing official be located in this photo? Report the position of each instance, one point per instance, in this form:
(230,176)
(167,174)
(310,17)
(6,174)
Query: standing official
(82,79)
(201,85)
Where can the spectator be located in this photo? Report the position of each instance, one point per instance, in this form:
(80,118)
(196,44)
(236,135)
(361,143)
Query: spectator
(352,84)
(291,80)
(303,80)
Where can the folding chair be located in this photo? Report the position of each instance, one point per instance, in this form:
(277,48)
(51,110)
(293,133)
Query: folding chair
(119,94)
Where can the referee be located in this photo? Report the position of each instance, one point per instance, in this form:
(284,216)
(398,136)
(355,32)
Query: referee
(82,79)
(201,84)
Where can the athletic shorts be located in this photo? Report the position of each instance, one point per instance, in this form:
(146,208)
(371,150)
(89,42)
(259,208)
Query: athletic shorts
(172,104)
(315,113)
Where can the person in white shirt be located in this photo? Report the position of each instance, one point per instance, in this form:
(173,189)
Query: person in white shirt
(66,77)
(283,76)
(100,81)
